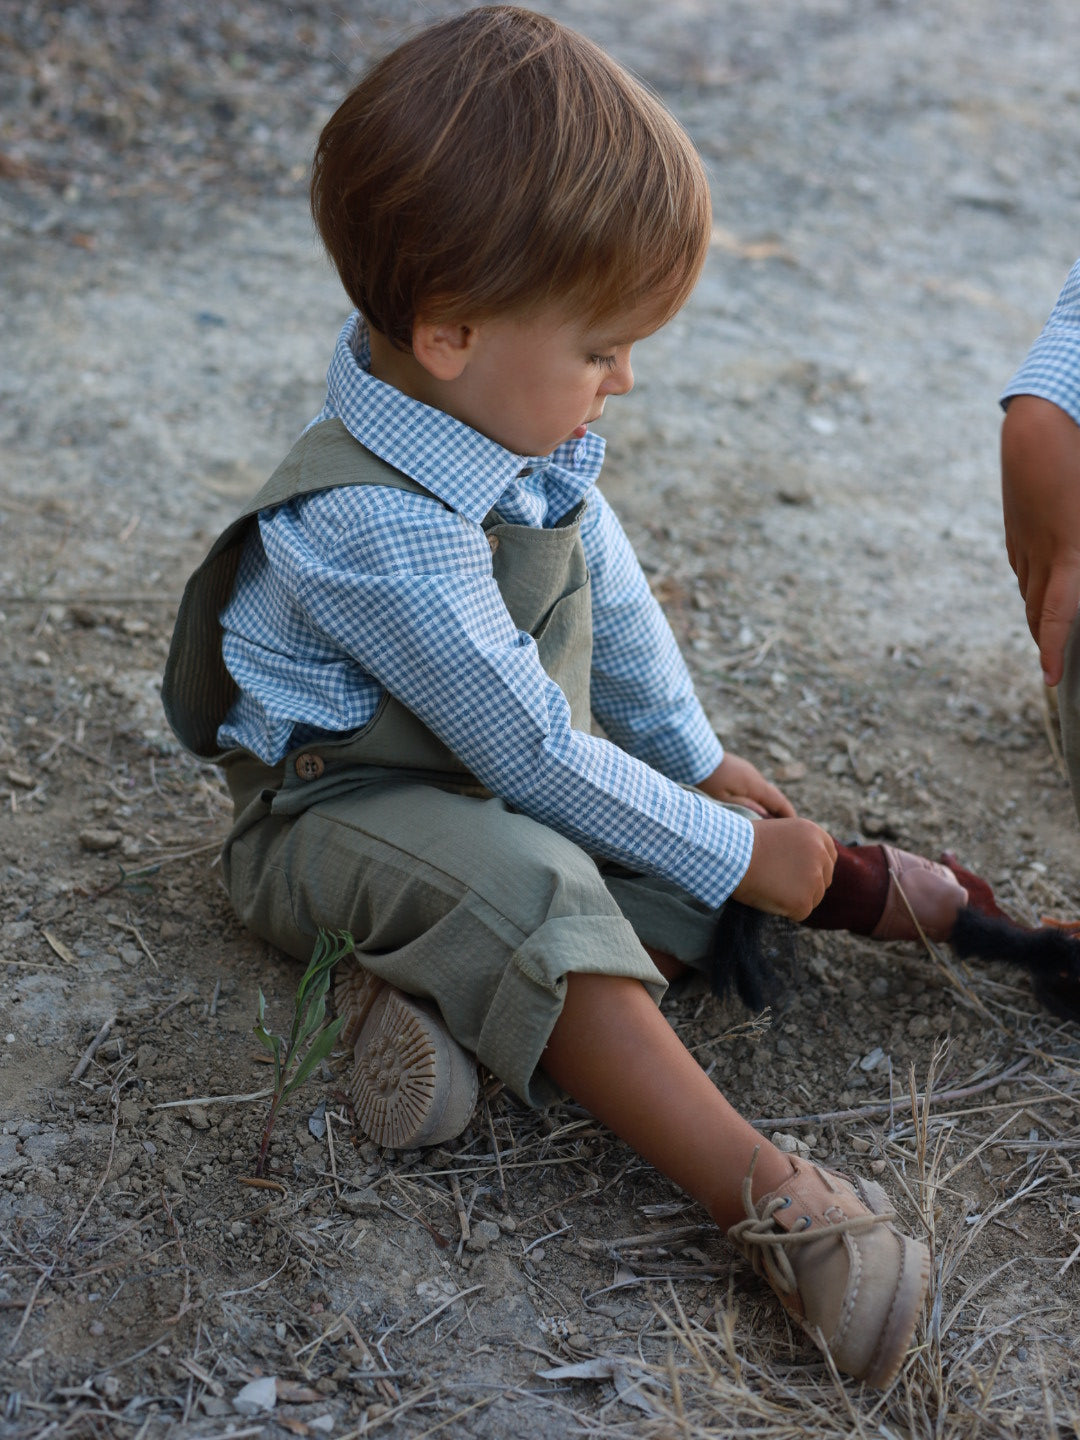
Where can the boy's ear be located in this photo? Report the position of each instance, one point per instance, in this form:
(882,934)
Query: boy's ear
(443,348)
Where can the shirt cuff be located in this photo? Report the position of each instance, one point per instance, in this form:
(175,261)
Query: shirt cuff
(1051,372)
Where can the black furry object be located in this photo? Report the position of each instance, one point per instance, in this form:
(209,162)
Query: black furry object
(1051,957)
(743,946)
(746,942)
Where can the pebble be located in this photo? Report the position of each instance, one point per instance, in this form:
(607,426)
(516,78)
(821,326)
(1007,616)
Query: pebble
(484,1234)
(789,1144)
(256,1396)
(361,1202)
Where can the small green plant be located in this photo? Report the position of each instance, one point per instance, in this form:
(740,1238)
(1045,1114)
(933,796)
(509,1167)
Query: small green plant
(291,1066)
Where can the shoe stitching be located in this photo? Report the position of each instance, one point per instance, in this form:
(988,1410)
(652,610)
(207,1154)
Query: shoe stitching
(855,1276)
(765,1245)
(922,1281)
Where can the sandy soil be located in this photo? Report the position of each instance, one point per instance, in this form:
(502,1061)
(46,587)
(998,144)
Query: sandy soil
(808,464)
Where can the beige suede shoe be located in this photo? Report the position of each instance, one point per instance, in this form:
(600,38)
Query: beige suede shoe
(410,1082)
(828,1247)
(919,890)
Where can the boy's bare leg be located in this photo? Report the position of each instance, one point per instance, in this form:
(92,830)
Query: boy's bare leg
(614,1052)
(825,1244)
(669,967)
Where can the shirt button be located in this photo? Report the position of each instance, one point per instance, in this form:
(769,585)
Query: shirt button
(493,542)
(308,766)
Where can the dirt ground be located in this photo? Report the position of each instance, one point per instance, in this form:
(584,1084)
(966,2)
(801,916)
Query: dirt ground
(808,465)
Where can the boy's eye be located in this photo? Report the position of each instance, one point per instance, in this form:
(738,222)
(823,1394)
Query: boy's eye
(606,362)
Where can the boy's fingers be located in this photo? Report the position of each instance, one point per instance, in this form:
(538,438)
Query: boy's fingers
(781,806)
(749,803)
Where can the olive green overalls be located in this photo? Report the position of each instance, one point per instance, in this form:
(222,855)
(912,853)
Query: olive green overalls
(448,892)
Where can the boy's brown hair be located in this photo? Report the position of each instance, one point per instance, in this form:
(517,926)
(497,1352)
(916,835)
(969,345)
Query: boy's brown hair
(498,162)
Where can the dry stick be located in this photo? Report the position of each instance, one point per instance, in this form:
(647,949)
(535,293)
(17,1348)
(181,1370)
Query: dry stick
(463,1219)
(91,1050)
(185,1303)
(259,1182)
(152,865)
(142,943)
(105,1173)
(883,1107)
(211,1100)
(71,1233)
(333,1159)
(385,1386)
(204,1378)
(453,1299)
(370,1426)
(59,740)
(495,1150)
(452,1419)
(656,1237)
(28,1310)
(1059,1273)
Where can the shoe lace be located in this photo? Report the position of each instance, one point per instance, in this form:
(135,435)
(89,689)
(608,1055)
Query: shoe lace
(766,1245)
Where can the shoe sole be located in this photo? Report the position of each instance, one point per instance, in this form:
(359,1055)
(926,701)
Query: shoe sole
(410,1083)
(355,991)
(909,1297)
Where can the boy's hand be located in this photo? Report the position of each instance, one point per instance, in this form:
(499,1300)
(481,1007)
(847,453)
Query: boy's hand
(1040,486)
(737,782)
(790,868)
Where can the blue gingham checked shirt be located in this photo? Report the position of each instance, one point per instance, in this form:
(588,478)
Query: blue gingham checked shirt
(347,593)
(1052,367)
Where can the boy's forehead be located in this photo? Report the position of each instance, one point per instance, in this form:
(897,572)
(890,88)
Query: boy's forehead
(619,327)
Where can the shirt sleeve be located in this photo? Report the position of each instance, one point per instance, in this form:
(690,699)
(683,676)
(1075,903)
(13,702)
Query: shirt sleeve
(642,693)
(1052,367)
(404,588)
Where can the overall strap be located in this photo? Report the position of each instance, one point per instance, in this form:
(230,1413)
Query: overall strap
(197,690)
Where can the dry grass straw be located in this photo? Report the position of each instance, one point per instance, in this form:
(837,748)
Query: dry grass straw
(992,1355)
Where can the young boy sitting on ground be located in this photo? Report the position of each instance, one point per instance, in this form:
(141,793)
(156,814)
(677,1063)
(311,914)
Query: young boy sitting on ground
(397,653)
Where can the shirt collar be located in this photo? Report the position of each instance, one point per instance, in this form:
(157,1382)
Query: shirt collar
(457,464)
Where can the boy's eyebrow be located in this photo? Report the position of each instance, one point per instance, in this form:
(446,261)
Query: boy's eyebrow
(605,342)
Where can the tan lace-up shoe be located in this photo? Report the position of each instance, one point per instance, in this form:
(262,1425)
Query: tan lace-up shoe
(828,1247)
(922,895)
(410,1082)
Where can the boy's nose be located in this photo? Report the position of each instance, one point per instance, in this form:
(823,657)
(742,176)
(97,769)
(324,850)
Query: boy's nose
(620,381)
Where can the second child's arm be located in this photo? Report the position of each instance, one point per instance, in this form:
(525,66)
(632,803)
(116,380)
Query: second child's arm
(1040,482)
(1040,478)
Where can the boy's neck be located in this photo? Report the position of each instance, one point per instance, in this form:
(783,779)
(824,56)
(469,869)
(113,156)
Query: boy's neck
(402,370)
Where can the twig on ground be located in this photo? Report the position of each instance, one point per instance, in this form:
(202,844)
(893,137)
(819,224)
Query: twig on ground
(91,1050)
(885,1107)
(185,1302)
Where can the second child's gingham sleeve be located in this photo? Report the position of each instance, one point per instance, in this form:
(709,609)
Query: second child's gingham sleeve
(1052,367)
(404,587)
